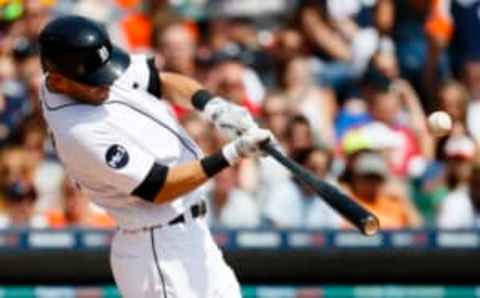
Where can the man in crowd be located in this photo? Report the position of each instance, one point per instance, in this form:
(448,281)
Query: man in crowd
(305,208)
(369,175)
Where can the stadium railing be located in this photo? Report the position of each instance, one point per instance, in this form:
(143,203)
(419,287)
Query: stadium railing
(280,257)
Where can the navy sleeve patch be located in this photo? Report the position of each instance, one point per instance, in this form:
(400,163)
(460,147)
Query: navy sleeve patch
(116,157)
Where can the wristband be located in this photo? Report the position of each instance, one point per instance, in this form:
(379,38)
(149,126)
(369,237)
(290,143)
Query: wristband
(214,164)
(201,98)
(231,153)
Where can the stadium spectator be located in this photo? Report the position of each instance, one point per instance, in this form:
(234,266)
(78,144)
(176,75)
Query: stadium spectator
(36,14)
(429,191)
(317,104)
(244,33)
(453,99)
(15,165)
(352,115)
(288,43)
(47,174)
(465,49)
(176,46)
(230,206)
(390,103)
(461,207)
(19,207)
(451,27)
(459,153)
(299,134)
(367,180)
(329,36)
(374,136)
(292,204)
(77,211)
(30,72)
(410,38)
(13,109)
(282,67)
(18,191)
(202,133)
(276,113)
(343,35)
(137,30)
(231,78)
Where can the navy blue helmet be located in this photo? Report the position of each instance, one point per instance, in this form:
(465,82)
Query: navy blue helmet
(80,49)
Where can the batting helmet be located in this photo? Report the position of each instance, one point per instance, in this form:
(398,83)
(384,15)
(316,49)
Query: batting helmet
(81,50)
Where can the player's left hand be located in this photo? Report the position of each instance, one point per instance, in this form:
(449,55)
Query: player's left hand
(230,119)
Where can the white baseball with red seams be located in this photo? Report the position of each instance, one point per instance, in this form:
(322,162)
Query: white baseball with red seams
(440,123)
(108,150)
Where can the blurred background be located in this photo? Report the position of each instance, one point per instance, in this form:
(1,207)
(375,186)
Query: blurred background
(345,85)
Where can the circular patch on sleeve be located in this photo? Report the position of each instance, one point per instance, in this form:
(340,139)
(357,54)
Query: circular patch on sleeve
(116,157)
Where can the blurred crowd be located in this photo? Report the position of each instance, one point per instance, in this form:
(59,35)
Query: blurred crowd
(345,86)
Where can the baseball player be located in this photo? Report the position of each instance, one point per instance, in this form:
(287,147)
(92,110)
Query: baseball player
(109,120)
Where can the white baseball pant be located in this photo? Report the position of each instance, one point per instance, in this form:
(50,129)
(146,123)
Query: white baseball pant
(178,261)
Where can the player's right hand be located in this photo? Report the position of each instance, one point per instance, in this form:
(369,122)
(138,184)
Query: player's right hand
(247,145)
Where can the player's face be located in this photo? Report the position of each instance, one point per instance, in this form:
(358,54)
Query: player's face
(81,92)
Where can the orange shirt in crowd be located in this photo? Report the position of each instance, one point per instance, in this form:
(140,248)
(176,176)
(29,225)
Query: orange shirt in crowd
(99,220)
(137,29)
(439,25)
(393,213)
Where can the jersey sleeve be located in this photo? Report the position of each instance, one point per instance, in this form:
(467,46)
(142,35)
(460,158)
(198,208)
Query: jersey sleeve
(106,161)
(144,75)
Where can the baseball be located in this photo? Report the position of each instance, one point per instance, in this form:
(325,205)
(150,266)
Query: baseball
(439,123)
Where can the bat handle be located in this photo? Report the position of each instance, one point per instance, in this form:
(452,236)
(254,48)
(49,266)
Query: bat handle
(365,221)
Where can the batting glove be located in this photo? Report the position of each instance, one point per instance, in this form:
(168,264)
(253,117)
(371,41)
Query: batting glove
(230,119)
(247,145)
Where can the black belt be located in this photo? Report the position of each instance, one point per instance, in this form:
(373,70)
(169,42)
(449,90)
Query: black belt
(197,210)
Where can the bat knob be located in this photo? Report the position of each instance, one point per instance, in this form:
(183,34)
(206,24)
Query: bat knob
(370,225)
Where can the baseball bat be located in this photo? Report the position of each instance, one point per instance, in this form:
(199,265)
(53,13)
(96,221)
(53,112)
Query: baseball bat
(364,220)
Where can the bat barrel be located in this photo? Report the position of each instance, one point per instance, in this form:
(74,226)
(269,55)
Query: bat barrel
(364,220)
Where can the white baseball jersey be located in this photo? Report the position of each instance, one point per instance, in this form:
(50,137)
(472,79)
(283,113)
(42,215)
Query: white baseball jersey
(109,149)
